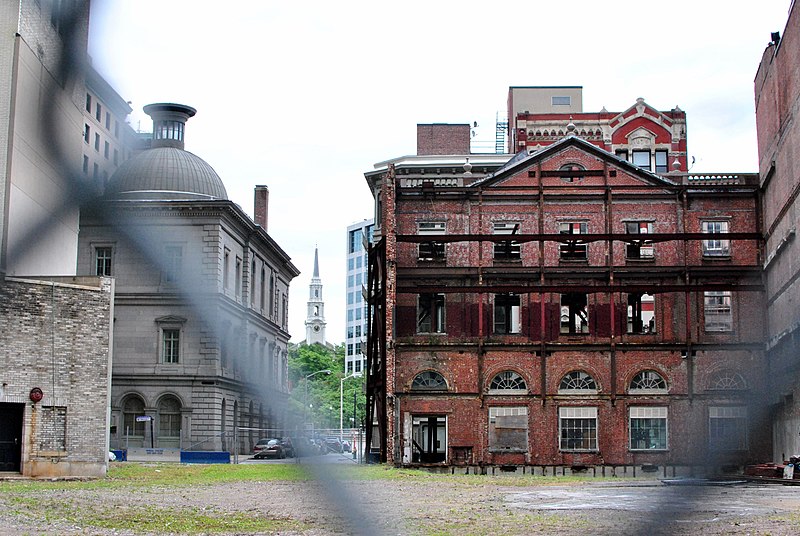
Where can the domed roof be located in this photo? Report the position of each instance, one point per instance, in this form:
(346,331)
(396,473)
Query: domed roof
(166,173)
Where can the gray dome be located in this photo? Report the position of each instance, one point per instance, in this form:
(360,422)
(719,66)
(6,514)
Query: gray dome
(166,173)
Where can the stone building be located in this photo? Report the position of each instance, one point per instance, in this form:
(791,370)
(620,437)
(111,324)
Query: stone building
(200,329)
(568,309)
(777,99)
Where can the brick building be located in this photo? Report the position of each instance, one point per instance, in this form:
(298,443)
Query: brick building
(777,98)
(564,308)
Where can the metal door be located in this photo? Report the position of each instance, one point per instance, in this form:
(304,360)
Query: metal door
(11,436)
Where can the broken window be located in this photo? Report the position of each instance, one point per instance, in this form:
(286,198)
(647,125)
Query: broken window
(508,381)
(508,428)
(572,172)
(429,380)
(429,439)
(506,313)
(648,428)
(717,311)
(578,429)
(639,249)
(716,247)
(727,428)
(430,313)
(641,313)
(727,380)
(648,382)
(431,251)
(577,382)
(574,313)
(574,250)
(509,249)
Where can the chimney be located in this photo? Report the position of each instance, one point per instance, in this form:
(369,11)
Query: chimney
(169,123)
(261,205)
(442,139)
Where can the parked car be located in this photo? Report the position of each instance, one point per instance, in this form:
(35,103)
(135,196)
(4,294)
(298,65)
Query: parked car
(333,444)
(275,448)
(261,445)
(346,446)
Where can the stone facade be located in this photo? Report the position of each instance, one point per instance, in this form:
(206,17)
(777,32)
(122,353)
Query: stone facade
(55,336)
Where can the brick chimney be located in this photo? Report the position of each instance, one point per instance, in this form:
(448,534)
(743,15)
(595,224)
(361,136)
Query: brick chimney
(443,138)
(261,205)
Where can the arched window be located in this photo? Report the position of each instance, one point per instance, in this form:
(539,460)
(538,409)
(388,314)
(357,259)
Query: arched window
(577,382)
(571,172)
(648,381)
(133,407)
(169,417)
(508,381)
(727,380)
(429,381)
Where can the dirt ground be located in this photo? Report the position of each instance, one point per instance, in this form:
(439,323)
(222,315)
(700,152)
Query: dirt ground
(444,506)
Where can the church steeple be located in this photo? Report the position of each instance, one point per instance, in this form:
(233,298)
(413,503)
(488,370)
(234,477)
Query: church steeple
(315,318)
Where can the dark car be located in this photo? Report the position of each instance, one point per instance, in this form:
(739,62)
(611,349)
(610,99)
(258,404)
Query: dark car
(274,448)
(333,444)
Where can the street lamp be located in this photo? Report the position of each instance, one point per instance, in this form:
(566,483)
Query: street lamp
(327,372)
(341,401)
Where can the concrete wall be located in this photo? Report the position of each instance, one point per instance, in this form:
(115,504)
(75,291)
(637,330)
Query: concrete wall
(57,336)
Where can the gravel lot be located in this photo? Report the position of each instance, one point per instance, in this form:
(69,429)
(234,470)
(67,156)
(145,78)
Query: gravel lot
(435,505)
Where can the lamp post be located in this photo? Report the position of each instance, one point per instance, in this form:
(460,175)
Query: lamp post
(305,395)
(341,401)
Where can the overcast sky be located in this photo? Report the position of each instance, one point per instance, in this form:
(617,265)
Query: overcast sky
(306,96)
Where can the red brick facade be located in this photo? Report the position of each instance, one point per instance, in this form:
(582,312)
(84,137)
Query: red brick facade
(540,351)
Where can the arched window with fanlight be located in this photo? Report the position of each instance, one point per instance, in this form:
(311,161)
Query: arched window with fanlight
(133,407)
(648,382)
(429,380)
(577,382)
(508,382)
(169,421)
(571,172)
(727,380)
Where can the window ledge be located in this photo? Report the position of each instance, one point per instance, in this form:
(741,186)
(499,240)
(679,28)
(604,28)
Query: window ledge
(574,261)
(507,261)
(712,258)
(640,260)
(501,450)
(432,261)
(579,451)
(648,450)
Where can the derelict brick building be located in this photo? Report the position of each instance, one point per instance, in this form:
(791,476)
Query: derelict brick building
(564,308)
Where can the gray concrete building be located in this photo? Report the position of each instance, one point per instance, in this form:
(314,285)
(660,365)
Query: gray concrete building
(200,329)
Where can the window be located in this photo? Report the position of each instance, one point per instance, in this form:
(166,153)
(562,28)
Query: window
(87,132)
(642,159)
(226,269)
(508,428)
(238,276)
(641,314)
(428,438)
(88,103)
(429,381)
(85,165)
(622,154)
(172,343)
(116,128)
(95,170)
(716,247)
(573,250)
(262,298)
(639,249)
(106,150)
(577,382)
(253,284)
(173,261)
(358,331)
(648,382)
(572,172)
(355,240)
(169,130)
(727,428)
(132,408)
(509,249)
(578,429)
(358,365)
(116,156)
(108,121)
(561,100)
(430,313)
(271,294)
(717,311)
(349,367)
(508,382)
(574,314)
(350,349)
(97,142)
(727,381)
(506,314)
(648,428)
(661,161)
(431,251)
(357,350)
(102,261)
(169,417)
(98,111)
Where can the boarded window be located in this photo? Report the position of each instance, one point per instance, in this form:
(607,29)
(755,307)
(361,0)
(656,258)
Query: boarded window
(52,434)
(508,428)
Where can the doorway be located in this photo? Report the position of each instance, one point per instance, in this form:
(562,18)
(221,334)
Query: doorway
(429,439)
(11,436)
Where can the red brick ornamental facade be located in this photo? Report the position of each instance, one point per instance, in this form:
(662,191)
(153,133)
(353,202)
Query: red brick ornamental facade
(566,309)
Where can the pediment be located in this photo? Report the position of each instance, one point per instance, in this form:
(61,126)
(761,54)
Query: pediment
(170,319)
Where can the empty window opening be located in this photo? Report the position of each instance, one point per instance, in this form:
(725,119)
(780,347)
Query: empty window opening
(509,249)
(573,250)
(574,314)
(717,311)
(429,439)
(431,251)
(430,313)
(506,313)
(641,313)
(639,249)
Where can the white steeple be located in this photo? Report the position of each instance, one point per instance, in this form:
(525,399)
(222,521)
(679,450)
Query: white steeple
(315,317)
